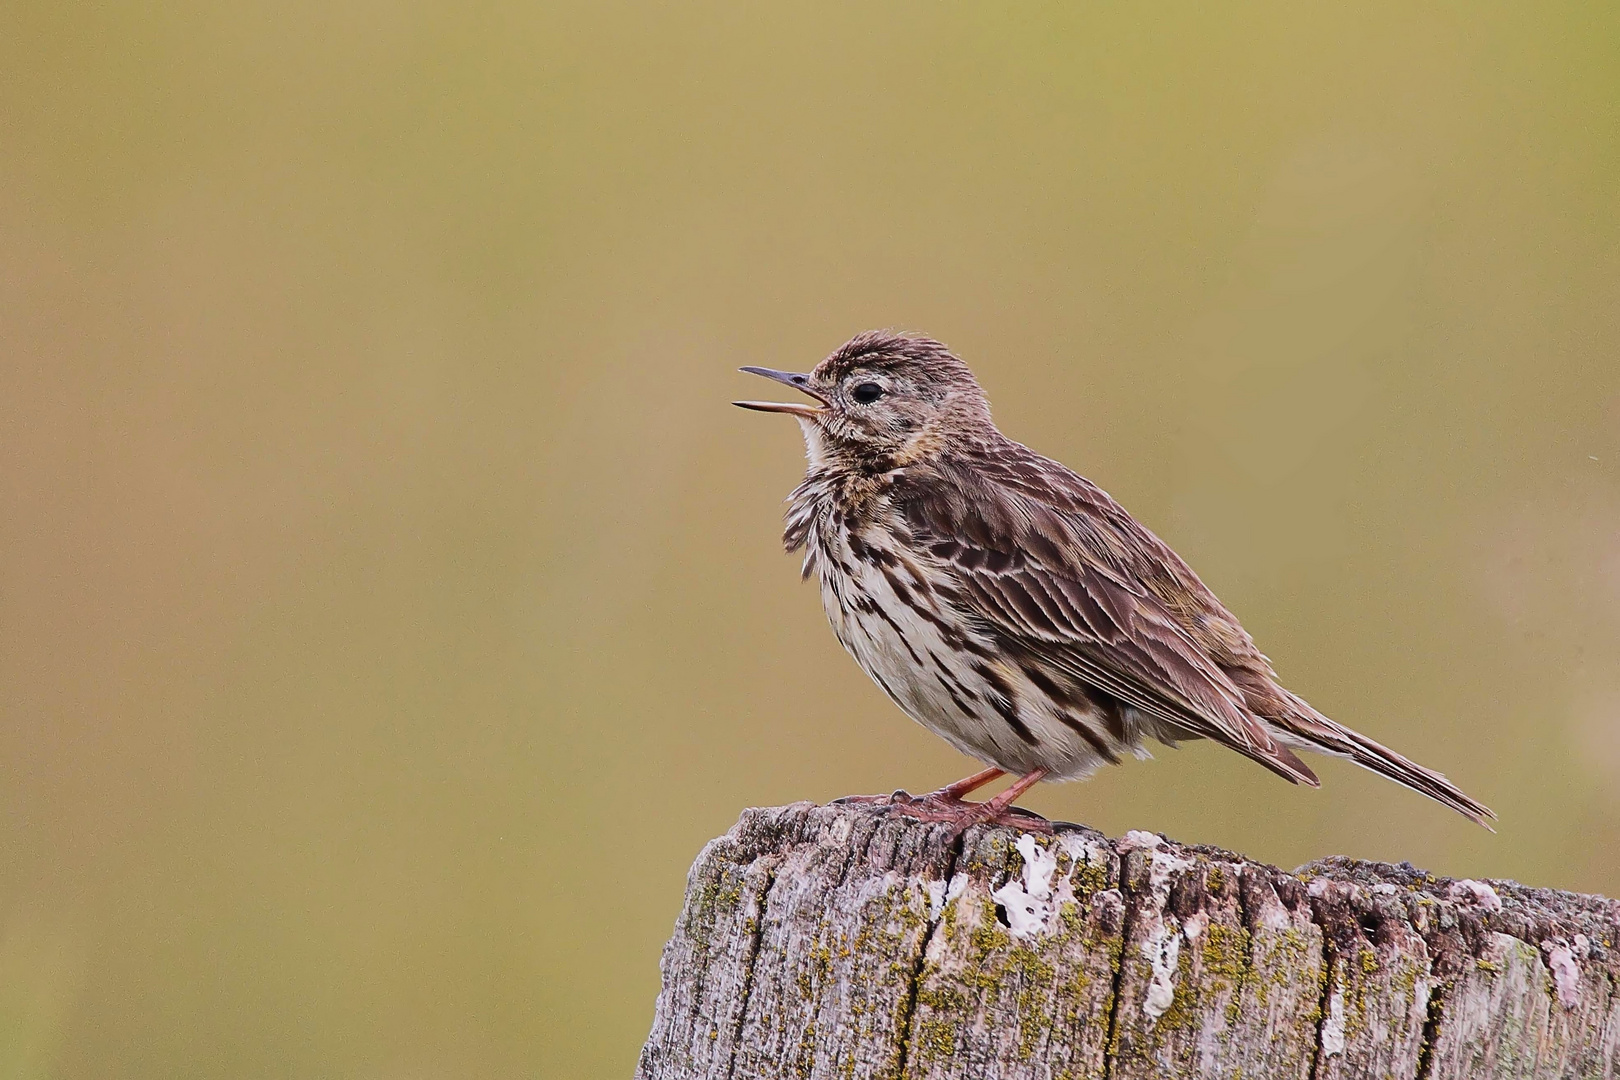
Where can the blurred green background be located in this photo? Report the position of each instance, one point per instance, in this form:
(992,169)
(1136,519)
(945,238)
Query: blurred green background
(391,604)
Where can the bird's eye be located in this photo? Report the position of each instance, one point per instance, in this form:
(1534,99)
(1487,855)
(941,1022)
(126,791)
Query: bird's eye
(867,392)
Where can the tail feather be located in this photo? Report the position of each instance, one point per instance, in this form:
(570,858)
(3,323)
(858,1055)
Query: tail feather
(1310,730)
(1285,763)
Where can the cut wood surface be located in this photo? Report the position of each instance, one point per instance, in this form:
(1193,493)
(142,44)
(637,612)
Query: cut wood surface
(851,941)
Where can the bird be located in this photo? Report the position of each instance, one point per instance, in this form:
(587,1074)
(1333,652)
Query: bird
(1011,606)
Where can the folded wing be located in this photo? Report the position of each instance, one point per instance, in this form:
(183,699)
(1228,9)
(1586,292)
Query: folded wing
(1045,577)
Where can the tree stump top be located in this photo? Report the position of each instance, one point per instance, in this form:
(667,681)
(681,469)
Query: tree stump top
(850,942)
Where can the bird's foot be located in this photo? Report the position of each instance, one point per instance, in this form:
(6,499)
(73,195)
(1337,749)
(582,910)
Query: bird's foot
(962,815)
(947,804)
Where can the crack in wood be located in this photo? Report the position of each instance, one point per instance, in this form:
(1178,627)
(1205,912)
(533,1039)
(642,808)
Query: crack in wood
(1323,1015)
(1431,1031)
(748,970)
(1114,998)
(934,920)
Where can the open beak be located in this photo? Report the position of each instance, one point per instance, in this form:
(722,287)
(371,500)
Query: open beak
(798,382)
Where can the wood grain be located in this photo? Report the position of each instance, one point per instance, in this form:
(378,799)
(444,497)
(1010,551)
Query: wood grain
(848,942)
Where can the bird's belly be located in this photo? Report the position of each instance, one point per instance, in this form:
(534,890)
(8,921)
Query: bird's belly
(953,682)
(913,668)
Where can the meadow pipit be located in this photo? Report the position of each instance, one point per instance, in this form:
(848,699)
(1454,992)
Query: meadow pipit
(1011,606)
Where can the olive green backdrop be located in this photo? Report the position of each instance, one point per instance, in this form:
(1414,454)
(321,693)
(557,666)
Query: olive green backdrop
(391,603)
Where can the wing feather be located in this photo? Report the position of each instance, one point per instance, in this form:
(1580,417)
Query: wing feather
(1046,576)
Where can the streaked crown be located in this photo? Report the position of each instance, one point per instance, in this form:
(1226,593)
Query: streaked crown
(885,400)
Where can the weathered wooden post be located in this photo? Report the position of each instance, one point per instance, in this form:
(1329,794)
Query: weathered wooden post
(850,942)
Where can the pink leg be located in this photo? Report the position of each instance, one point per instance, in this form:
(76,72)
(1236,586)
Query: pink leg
(1000,811)
(966,786)
(964,815)
(947,804)
(1001,803)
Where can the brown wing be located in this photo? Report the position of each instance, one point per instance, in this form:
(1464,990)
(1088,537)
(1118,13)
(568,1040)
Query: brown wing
(1052,579)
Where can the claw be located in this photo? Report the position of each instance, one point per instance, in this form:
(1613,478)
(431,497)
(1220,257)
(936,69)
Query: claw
(947,804)
(962,815)
(899,795)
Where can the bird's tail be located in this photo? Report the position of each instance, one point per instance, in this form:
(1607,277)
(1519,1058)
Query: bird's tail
(1310,730)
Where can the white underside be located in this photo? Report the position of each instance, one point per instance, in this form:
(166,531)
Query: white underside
(907,656)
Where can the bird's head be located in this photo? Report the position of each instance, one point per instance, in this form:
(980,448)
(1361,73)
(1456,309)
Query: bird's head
(881,401)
